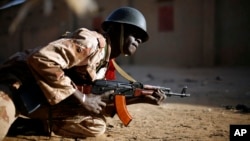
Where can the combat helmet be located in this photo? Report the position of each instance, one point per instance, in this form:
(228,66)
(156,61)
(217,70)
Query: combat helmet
(130,16)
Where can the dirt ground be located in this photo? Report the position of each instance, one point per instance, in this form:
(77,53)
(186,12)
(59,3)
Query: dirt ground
(219,98)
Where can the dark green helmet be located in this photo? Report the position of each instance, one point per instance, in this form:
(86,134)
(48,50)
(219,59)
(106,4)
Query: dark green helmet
(130,16)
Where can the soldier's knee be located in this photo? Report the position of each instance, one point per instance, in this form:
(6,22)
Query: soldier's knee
(89,127)
(94,127)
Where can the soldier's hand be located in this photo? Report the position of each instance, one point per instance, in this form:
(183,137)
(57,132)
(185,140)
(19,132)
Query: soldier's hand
(156,98)
(91,102)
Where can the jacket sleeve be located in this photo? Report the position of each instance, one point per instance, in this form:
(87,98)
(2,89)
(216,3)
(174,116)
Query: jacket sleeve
(47,65)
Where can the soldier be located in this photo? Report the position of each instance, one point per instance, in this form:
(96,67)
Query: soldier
(42,82)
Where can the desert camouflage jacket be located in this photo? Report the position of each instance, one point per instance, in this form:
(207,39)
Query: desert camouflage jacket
(84,51)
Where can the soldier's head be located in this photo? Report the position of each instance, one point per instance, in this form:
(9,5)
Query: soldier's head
(126,28)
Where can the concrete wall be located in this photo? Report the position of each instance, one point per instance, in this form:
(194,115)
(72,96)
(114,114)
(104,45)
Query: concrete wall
(35,30)
(233,32)
(205,32)
(190,43)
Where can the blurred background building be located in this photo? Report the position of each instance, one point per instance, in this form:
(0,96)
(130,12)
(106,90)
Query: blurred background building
(183,33)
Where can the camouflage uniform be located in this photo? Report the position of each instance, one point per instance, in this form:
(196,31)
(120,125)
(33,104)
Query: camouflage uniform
(86,53)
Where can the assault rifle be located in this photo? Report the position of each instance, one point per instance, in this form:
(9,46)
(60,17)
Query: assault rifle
(123,90)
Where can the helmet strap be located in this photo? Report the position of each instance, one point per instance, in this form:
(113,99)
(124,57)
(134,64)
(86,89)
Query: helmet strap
(122,39)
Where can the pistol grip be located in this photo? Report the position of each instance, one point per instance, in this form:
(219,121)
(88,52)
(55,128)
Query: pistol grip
(121,109)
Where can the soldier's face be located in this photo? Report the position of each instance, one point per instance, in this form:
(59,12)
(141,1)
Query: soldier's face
(131,43)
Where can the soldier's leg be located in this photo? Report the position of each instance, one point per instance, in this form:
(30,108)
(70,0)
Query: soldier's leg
(79,126)
(7,111)
(70,120)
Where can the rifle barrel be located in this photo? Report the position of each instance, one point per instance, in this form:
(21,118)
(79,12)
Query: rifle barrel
(178,94)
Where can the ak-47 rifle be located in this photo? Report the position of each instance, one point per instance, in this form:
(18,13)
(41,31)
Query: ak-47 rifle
(123,90)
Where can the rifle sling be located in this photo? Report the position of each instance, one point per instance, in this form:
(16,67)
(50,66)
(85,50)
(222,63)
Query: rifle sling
(122,72)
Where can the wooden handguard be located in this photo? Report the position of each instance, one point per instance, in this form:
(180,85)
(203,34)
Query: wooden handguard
(121,109)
